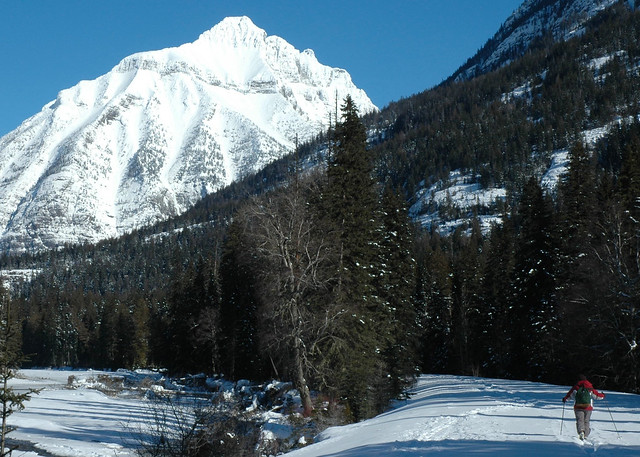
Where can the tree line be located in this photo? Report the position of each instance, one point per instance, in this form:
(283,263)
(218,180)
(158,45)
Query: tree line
(553,290)
(311,281)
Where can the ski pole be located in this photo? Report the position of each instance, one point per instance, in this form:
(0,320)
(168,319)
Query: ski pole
(611,415)
(562,420)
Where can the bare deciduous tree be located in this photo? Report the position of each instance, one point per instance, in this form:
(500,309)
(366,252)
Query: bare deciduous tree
(619,255)
(293,255)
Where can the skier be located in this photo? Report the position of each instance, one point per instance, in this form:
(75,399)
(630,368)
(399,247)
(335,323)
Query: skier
(583,393)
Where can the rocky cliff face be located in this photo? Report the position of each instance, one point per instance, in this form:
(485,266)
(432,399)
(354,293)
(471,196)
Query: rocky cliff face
(158,132)
(534,19)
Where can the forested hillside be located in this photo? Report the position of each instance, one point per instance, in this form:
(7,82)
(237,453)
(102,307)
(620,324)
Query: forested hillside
(504,126)
(552,289)
(303,274)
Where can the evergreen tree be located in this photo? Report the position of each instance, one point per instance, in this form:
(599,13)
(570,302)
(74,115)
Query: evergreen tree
(618,251)
(435,302)
(496,298)
(467,322)
(576,263)
(187,304)
(534,314)
(351,202)
(577,199)
(208,324)
(239,346)
(395,284)
(10,359)
(140,336)
(108,335)
(124,339)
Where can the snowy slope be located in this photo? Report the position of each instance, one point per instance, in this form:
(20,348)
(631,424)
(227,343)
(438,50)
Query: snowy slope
(457,416)
(449,416)
(532,20)
(463,192)
(158,132)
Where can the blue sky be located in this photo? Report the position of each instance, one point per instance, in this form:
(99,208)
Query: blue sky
(392,49)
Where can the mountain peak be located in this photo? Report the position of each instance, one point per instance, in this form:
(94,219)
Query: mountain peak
(235,31)
(164,128)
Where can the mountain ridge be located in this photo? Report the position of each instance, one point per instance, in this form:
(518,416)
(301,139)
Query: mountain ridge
(449,197)
(529,22)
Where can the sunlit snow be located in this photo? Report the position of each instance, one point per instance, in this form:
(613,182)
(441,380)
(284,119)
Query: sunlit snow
(453,416)
(159,131)
(456,416)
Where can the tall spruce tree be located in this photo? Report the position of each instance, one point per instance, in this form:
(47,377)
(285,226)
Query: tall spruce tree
(496,282)
(535,329)
(185,304)
(619,253)
(435,303)
(576,262)
(395,282)
(240,354)
(351,203)
(467,322)
(577,197)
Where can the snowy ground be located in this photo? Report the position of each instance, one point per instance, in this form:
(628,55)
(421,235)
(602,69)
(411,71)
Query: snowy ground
(458,416)
(446,416)
(79,421)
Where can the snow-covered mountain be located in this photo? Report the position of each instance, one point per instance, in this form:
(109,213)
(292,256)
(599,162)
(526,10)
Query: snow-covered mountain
(563,19)
(158,132)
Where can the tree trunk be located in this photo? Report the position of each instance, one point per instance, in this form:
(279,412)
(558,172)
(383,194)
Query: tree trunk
(5,413)
(301,384)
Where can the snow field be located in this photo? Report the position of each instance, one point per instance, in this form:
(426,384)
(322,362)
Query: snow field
(452,416)
(457,416)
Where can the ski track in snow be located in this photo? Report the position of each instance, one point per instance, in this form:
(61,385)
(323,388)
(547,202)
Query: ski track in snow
(451,416)
(456,416)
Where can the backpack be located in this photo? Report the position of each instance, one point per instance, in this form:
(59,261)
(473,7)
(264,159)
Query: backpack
(583,396)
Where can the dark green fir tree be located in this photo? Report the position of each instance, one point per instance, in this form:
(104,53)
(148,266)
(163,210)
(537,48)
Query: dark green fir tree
(534,314)
(351,203)
(395,283)
(10,360)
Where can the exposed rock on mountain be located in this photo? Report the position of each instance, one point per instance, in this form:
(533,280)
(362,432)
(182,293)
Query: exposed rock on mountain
(562,19)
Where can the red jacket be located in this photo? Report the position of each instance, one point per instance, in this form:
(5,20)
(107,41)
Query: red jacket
(589,386)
